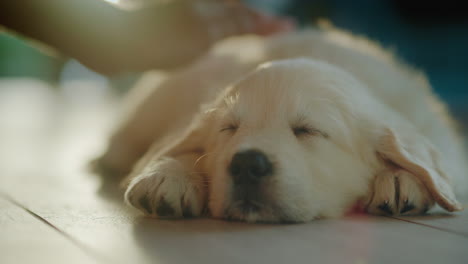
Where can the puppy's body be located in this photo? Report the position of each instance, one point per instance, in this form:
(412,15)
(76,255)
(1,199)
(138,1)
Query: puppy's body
(384,92)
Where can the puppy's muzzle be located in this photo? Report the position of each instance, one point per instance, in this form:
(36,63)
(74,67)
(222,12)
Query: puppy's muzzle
(249,167)
(249,170)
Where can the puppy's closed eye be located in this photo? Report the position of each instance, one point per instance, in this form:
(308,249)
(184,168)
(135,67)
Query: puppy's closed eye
(303,130)
(229,128)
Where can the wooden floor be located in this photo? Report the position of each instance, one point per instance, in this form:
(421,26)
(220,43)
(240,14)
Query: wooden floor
(52,210)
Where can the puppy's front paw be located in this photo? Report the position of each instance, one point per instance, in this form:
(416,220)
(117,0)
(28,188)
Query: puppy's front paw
(399,193)
(165,190)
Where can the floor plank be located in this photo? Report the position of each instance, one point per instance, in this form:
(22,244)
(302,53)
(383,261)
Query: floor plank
(456,223)
(25,239)
(123,236)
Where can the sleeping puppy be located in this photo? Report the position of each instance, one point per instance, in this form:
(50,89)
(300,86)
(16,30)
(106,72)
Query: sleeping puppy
(289,128)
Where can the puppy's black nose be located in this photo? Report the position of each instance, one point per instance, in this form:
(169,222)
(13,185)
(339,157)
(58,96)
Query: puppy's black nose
(249,166)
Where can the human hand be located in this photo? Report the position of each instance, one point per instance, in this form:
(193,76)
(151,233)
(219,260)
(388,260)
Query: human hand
(172,34)
(109,40)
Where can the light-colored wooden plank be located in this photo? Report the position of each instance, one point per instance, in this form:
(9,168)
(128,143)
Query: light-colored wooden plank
(456,223)
(24,239)
(125,237)
(49,178)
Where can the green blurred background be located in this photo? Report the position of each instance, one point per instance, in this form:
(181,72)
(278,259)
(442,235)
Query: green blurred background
(19,59)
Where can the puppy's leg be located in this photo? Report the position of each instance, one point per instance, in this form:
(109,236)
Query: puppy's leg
(168,187)
(398,192)
(154,110)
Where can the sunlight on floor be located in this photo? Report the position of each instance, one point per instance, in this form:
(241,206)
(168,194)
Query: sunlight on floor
(37,121)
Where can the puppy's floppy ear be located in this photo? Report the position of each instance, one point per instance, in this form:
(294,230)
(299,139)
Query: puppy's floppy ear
(414,153)
(195,138)
(200,133)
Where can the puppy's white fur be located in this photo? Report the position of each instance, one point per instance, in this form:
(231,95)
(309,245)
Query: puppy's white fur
(379,135)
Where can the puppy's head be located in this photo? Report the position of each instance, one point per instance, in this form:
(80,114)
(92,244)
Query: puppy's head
(281,145)
(293,141)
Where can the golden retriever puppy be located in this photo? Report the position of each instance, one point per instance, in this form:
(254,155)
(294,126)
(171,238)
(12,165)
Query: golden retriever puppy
(289,129)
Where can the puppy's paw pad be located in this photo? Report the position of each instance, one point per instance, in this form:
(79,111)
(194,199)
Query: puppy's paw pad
(407,207)
(385,207)
(165,191)
(399,193)
(164,209)
(145,204)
